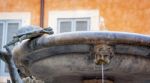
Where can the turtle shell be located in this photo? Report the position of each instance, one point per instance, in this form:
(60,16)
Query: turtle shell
(27,30)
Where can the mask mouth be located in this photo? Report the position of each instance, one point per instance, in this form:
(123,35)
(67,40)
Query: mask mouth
(101,61)
(102,53)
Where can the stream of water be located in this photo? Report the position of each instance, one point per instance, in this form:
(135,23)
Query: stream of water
(102,66)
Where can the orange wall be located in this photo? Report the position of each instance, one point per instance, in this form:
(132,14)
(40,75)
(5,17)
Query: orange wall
(32,6)
(119,15)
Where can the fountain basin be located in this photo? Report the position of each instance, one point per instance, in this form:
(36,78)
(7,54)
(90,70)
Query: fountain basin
(70,55)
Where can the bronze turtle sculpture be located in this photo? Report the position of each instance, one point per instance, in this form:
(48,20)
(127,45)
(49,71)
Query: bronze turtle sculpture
(29,32)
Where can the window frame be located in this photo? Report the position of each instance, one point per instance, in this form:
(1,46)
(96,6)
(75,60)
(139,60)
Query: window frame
(25,18)
(2,34)
(83,19)
(63,20)
(4,39)
(92,13)
(73,23)
(5,28)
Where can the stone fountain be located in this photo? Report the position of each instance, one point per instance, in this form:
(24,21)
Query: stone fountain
(73,57)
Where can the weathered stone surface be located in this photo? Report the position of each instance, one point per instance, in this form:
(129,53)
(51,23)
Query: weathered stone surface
(31,80)
(70,54)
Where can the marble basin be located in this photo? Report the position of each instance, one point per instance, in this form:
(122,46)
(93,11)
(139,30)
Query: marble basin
(69,57)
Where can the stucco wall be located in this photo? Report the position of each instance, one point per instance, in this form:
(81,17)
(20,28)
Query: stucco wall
(32,6)
(119,15)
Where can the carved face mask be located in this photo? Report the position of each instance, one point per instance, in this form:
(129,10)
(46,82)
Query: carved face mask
(103,54)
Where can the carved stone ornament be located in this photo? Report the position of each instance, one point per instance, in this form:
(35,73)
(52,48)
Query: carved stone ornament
(102,54)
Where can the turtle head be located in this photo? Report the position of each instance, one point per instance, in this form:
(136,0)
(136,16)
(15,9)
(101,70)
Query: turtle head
(48,30)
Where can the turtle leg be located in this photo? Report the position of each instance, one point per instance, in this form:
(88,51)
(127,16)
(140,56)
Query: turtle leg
(3,56)
(23,38)
(12,42)
(12,67)
(29,36)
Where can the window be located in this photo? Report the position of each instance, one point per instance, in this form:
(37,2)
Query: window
(73,24)
(74,20)
(8,29)
(9,22)
(1,34)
